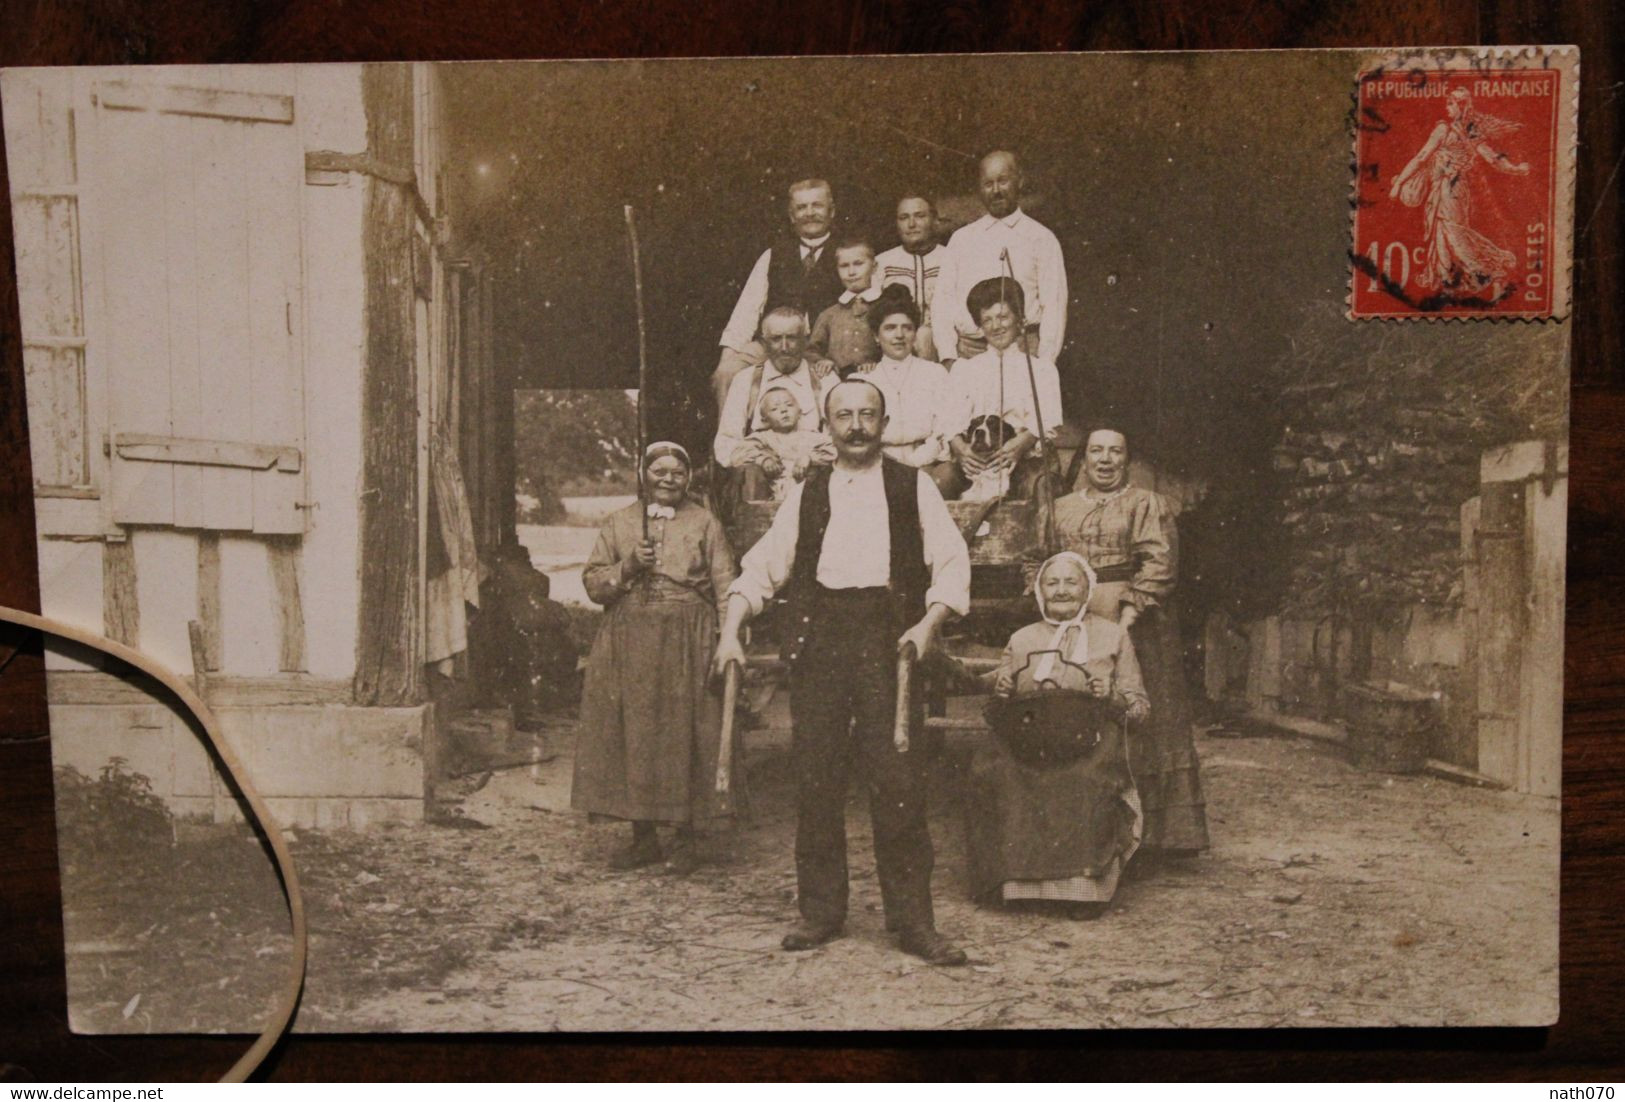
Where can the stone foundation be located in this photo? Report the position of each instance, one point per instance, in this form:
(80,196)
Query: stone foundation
(318,761)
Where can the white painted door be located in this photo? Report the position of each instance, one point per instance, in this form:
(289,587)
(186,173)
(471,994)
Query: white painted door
(199,192)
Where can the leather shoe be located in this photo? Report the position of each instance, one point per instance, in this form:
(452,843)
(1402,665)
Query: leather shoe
(640,853)
(924,942)
(809,935)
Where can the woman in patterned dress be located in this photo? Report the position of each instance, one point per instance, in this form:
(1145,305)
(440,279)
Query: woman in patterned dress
(1128,536)
(650,725)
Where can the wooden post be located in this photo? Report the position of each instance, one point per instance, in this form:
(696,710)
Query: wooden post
(387,670)
(1460,739)
(1501,617)
(1264,664)
(121,609)
(290,606)
(208,597)
(1540,704)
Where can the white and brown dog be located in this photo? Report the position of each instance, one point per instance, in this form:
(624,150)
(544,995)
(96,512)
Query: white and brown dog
(986,434)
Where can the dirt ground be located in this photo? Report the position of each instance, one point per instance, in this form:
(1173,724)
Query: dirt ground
(1333,896)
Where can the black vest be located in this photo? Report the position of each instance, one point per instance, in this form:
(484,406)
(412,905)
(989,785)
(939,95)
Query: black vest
(909,575)
(789,283)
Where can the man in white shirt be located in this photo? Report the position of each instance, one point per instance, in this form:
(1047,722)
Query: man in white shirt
(915,264)
(784,333)
(872,562)
(796,270)
(976,252)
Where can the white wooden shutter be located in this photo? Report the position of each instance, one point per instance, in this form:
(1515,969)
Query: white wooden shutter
(199,191)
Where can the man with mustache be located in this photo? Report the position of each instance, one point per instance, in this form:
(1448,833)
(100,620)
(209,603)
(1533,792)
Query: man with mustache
(872,562)
(796,270)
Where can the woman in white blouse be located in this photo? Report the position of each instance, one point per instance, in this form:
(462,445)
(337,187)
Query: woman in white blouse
(915,390)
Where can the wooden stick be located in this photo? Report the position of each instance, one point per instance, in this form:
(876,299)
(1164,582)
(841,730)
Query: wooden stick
(905,696)
(1038,417)
(725,751)
(643,362)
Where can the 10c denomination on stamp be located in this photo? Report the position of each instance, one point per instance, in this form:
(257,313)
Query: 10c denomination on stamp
(1464,184)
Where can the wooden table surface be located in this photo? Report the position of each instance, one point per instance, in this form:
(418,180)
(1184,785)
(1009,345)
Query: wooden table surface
(1585,1047)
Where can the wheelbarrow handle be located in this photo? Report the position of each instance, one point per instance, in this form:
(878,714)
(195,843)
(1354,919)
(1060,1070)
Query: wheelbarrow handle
(725,750)
(905,696)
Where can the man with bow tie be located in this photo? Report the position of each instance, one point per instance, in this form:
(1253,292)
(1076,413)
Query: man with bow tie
(797,270)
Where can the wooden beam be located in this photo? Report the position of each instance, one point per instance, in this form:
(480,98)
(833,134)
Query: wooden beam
(290,608)
(1501,616)
(200,660)
(214,103)
(387,667)
(121,610)
(208,597)
(225,691)
(205,453)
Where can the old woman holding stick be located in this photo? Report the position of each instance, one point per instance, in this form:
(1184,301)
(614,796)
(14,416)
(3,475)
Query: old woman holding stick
(650,727)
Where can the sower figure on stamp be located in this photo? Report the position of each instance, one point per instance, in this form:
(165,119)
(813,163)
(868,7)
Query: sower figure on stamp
(872,563)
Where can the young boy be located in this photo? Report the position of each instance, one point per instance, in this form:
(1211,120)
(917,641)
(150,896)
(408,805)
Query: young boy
(841,337)
(996,384)
(783,450)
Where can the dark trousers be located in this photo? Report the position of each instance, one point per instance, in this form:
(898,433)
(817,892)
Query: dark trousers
(843,694)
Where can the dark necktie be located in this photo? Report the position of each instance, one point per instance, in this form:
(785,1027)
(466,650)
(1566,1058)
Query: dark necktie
(810,261)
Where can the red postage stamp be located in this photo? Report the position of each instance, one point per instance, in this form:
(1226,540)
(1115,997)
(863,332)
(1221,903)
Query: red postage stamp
(1464,184)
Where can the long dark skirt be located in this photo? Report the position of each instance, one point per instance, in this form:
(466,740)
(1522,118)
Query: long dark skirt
(650,724)
(1162,752)
(1028,823)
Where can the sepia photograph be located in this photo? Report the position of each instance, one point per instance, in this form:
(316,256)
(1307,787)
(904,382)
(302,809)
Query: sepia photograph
(852,543)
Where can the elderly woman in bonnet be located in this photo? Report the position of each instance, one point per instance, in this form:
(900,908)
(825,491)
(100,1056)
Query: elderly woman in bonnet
(1052,814)
(650,726)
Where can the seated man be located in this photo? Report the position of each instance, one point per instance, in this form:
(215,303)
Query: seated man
(995,387)
(783,450)
(784,332)
(841,337)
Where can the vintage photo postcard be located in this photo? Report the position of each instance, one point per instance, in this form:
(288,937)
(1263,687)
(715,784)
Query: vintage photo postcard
(1029,542)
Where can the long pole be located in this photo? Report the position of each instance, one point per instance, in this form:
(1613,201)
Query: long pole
(643,364)
(1038,412)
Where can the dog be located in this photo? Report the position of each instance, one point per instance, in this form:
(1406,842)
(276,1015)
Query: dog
(986,434)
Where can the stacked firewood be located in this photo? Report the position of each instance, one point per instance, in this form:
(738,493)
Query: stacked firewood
(1377,452)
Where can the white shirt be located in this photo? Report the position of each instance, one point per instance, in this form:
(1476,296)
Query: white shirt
(974,387)
(917,409)
(747,315)
(731,423)
(857,544)
(972,255)
(916,271)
